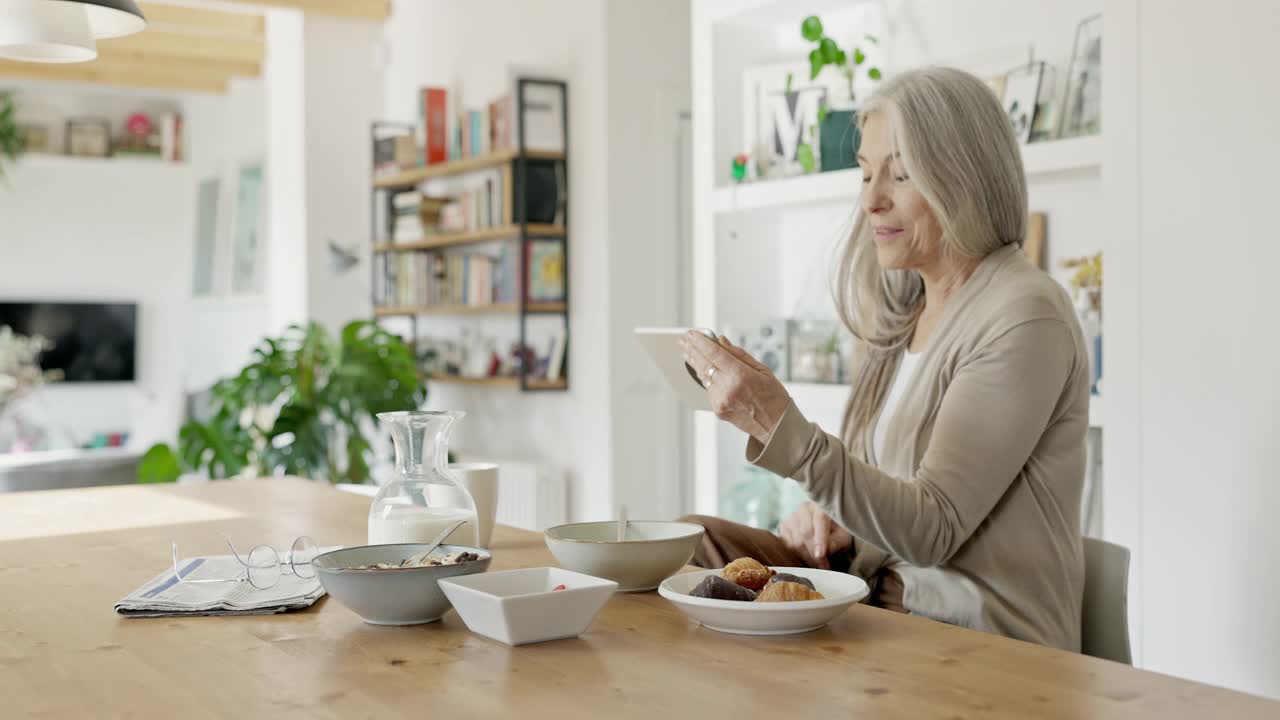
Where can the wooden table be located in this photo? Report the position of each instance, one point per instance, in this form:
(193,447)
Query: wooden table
(66,556)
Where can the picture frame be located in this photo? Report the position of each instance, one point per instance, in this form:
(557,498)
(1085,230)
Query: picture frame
(35,137)
(246,229)
(1082,99)
(780,116)
(208,192)
(88,137)
(1021,96)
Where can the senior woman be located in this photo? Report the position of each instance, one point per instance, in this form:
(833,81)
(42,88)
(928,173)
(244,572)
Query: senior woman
(955,486)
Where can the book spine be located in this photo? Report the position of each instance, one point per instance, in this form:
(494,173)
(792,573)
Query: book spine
(436,100)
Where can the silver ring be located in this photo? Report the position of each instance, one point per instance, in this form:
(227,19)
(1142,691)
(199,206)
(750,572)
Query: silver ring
(711,374)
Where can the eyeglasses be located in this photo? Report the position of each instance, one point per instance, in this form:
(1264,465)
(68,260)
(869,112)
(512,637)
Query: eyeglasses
(262,567)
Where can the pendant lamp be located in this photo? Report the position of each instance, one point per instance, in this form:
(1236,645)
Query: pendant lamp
(63,31)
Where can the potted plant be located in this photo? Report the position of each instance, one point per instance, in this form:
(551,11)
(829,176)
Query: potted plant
(10,133)
(838,132)
(20,375)
(302,406)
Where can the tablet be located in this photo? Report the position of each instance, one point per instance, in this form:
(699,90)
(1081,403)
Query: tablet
(663,346)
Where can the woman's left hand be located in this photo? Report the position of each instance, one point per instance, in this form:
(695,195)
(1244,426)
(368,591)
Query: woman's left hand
(743,391)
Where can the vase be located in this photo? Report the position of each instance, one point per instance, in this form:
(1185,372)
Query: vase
(424,498)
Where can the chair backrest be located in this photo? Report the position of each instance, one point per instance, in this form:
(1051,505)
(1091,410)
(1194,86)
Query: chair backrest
(1105,620)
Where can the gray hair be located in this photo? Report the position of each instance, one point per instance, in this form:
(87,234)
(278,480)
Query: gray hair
(959,149)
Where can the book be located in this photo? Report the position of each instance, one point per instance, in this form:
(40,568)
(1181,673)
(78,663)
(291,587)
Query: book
(501,136)
(555,358)
(546,271)
(434,117)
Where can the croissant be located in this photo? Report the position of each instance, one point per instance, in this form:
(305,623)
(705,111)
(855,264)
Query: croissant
(747,572)
(787,592)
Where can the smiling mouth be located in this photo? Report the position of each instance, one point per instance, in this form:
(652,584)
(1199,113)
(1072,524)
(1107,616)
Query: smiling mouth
(883,233)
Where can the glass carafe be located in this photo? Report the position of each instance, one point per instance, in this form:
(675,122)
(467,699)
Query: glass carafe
(424,498)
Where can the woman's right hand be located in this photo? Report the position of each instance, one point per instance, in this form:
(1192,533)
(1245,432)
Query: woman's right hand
(814,535)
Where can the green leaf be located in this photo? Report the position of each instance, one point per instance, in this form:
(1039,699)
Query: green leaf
(159,465)
(858,56)
(815,66)
(811,28)
(874,73)
(829,49)
(841,58)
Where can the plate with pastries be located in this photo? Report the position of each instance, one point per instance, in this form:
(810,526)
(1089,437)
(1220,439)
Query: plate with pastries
(747,598)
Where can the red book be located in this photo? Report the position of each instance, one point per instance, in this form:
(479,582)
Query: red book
(435,126)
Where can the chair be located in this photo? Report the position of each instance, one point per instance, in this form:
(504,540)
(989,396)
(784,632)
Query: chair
(1105,613)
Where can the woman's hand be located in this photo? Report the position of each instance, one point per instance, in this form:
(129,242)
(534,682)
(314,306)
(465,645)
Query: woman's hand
(810,532)
(743,391)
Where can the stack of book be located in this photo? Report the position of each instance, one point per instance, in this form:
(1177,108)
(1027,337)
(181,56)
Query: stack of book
(481,204)
(406,221)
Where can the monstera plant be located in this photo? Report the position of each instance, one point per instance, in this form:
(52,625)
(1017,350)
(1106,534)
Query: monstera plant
(302,406)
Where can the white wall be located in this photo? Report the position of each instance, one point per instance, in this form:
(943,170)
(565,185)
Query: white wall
(1206,336)
(220,330)
(647,55)
(472,45)
(343,96)
(102,230)
(123,230)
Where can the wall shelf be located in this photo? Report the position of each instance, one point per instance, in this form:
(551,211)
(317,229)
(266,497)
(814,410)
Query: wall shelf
(472,237)
(1043,158)
(413,176)
(507,383)
(514,189)
(492,309)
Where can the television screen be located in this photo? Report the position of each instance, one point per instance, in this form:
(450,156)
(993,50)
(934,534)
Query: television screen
(92,342)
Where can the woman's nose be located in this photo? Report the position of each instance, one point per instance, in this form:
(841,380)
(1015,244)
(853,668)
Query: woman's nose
(875,197)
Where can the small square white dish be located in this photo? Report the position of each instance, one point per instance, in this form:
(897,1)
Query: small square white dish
(518,607)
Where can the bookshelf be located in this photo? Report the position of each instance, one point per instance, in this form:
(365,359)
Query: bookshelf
(508,228)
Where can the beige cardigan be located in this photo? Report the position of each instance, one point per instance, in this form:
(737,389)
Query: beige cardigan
(977,504)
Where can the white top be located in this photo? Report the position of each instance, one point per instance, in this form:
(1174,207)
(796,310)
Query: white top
(906,369)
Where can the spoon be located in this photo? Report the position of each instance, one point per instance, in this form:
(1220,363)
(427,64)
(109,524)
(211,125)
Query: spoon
(622,523)
(420,557)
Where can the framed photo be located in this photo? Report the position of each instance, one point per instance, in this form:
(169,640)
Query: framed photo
(1082,103)
(89,137)
(246,229)
(780,114)
(207,192)
(1021,94)
(35,138)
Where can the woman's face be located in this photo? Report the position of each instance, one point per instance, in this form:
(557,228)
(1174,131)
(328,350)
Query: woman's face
(907,235)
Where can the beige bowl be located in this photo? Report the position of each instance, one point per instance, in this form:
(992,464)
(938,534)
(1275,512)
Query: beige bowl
(651,552)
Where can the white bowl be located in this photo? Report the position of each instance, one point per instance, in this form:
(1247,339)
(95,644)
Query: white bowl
(518,607)
(394,596)
(651,551)
(770,618)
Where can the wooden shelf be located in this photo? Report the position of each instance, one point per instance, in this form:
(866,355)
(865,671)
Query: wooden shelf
(539,384)
(547,308)
(497,382)
(413,176)
(493,309)
(510,383)
(471,238)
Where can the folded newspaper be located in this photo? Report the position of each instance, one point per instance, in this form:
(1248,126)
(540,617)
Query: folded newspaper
(165,596)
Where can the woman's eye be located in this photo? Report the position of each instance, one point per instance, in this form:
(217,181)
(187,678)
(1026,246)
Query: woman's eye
(866,179)
(901,178)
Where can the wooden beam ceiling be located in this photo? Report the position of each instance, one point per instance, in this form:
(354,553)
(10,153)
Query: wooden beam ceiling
(184,49)
(188,47)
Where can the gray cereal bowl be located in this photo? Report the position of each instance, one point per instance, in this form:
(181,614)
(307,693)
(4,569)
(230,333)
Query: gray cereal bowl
(394,596)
